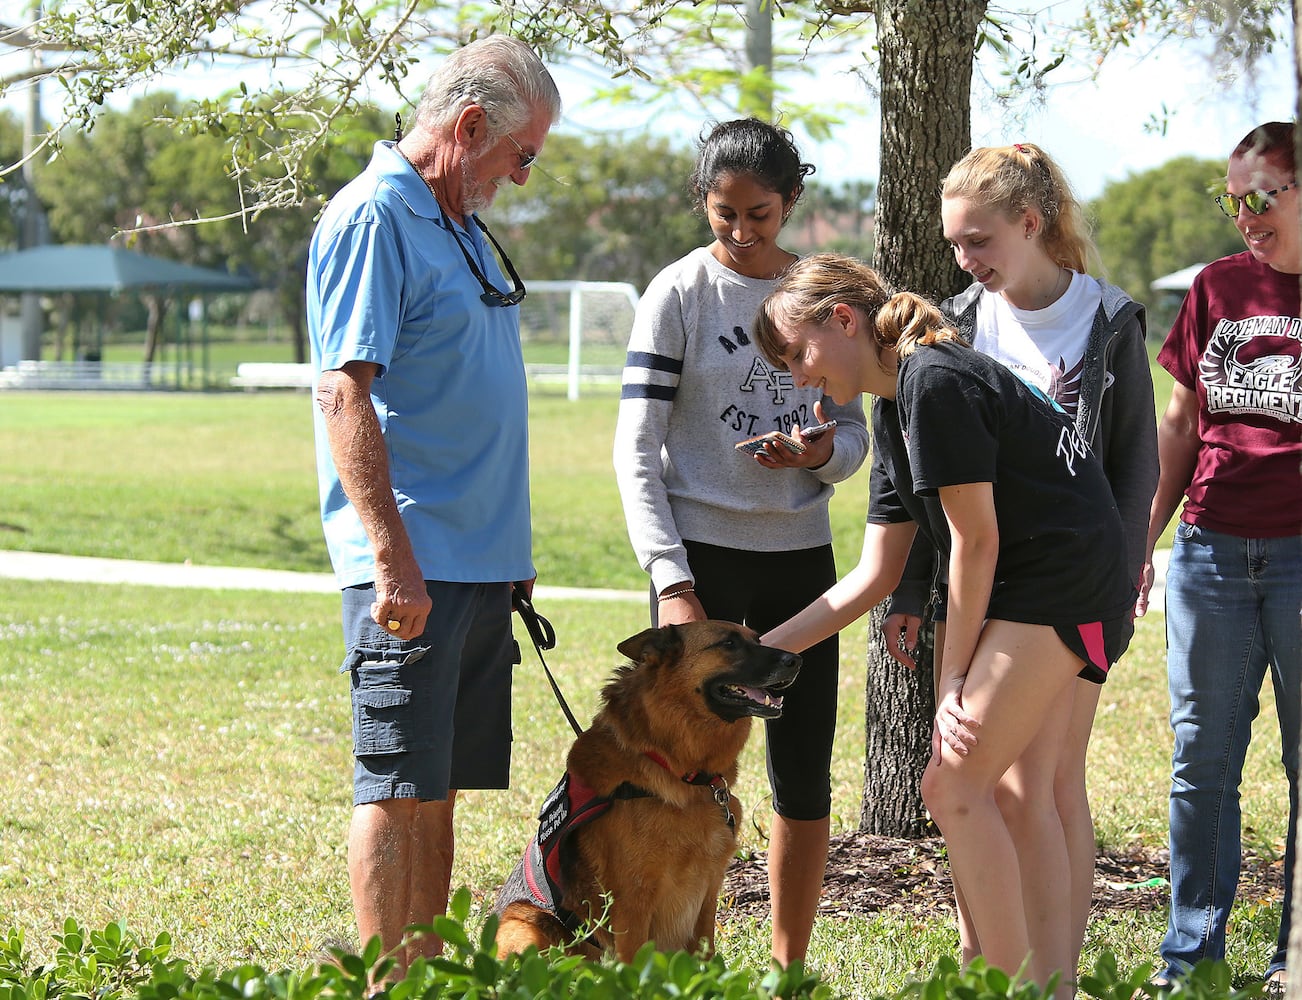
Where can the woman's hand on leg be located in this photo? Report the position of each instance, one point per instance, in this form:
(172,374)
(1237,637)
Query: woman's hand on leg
(954,725)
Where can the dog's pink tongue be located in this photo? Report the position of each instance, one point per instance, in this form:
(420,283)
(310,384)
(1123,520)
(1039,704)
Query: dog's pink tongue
(762,697)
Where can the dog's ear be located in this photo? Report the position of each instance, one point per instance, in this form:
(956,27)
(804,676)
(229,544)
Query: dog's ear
(653,646)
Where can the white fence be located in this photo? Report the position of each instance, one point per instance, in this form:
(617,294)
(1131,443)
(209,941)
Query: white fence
(574,332)
(89,375)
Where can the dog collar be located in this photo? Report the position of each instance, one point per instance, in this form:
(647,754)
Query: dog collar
(717,784)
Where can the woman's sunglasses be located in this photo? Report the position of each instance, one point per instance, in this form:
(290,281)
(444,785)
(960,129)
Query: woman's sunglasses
(1258,202)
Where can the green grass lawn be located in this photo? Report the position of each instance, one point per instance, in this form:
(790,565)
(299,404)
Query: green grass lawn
(180,759)
(228,479)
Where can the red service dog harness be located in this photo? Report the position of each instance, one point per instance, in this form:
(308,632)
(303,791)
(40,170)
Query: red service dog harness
(538,877)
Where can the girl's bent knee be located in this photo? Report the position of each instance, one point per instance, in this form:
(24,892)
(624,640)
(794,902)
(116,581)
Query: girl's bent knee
(944,793)
(1011,801)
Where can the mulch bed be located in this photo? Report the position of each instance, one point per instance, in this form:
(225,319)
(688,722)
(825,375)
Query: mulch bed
(868,874)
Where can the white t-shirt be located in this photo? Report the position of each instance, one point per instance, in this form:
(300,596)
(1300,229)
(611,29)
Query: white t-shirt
(1043,347)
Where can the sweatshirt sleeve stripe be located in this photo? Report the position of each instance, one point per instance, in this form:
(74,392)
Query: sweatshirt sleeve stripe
(650,376)
(654,362)
(633,391)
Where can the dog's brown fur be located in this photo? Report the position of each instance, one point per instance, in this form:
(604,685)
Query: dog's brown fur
(650,868)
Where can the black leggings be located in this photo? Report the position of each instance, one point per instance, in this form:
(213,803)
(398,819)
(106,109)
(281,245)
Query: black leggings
(762,590)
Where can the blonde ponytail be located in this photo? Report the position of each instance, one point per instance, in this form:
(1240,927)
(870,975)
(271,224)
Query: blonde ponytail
(908,320)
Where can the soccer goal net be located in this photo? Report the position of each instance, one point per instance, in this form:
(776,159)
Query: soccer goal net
(576,332)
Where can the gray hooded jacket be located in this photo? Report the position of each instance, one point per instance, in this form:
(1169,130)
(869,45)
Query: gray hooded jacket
(1115,415)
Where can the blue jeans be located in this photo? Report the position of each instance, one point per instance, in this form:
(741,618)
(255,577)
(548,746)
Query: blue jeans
(1232,607)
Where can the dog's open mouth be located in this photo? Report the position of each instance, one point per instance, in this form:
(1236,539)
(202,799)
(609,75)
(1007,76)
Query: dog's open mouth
(737,700)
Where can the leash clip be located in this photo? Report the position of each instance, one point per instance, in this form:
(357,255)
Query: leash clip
(720,788)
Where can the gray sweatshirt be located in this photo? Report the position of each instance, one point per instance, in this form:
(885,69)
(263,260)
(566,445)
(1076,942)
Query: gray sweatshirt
(695,385)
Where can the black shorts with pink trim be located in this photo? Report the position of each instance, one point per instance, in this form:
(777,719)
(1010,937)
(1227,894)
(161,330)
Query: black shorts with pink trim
(1099,644)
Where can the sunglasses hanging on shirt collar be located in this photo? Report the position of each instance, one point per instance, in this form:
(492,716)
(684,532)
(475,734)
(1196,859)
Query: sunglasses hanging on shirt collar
(490,296)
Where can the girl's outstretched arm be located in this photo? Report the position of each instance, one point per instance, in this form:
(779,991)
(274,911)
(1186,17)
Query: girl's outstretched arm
(885,550)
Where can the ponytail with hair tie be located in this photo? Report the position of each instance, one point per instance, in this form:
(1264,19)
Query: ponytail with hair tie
(814,286)
(907,320)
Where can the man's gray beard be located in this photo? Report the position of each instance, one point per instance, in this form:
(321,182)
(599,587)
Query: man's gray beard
(478,199)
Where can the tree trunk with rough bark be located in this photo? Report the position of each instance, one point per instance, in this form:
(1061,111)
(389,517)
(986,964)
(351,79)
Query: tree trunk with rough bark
(927,55)
(898,709)
(156,312)
(927,50)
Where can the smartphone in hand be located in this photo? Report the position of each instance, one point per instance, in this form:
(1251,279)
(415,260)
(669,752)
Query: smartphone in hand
(756,444)
(817,431)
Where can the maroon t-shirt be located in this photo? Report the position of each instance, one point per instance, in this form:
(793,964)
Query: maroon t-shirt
(1237,342)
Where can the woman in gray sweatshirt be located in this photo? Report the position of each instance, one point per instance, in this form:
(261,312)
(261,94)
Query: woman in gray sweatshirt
(727,534)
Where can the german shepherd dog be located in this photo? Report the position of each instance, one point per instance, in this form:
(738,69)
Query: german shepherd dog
(633,843)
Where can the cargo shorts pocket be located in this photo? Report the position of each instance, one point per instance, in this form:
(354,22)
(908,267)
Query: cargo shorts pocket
(390,713)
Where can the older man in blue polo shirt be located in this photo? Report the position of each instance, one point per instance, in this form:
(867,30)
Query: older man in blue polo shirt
(422,455)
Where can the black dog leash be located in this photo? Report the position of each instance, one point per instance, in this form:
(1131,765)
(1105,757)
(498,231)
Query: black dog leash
(544,637)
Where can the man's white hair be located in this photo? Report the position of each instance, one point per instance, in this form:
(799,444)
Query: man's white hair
(500,74)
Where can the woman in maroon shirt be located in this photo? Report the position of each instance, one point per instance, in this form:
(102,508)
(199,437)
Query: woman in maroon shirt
(1230,445)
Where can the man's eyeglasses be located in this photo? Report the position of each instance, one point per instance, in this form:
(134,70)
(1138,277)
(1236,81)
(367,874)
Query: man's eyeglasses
(491,296)
(1258,202)
(526,159)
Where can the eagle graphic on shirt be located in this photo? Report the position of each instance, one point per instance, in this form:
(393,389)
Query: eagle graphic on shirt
(1245,373)
(1061,384)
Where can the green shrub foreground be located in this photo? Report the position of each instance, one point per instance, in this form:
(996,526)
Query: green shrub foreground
(113,964)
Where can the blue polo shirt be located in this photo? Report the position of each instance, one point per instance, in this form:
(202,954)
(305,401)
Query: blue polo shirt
(387,285)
